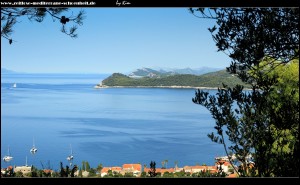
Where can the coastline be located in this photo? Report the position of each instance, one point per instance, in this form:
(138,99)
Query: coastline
(163,87)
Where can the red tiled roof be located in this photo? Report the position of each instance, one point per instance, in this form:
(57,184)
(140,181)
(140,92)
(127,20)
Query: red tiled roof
(198,167)
(47,170)
(127,166)
(227,164)
(171,170)
(146,170)
(212,168)
(221,161)
(132,166)
(105,169)
(116,168)
(186,167)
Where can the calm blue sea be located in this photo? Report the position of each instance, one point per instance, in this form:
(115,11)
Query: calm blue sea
(111,126)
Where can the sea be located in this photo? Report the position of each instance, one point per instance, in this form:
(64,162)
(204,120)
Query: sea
(63,114)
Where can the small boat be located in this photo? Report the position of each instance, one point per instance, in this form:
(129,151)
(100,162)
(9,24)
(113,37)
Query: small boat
(15,85)
(70,157)
(33,150)
(7,158)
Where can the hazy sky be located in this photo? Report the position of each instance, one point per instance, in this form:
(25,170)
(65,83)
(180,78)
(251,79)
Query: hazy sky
(114,40)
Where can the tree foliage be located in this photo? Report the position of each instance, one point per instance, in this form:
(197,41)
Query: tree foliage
(213,79)
(11,16)
(152,171)
(87,166)
(67,172)
(263,44)
(99,168)
(247,35)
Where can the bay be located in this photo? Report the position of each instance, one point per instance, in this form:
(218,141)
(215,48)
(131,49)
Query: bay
(112,126)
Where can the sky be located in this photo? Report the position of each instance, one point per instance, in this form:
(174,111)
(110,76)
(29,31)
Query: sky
(114,40)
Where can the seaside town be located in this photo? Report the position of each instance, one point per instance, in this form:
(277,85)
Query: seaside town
(222,168)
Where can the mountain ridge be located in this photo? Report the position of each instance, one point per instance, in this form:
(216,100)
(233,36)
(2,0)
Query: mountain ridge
(162,72)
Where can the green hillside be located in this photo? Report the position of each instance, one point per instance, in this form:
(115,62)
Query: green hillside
(214,79)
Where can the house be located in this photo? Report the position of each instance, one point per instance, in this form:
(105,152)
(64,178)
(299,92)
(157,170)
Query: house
(198,168)
(212,169)
(114,169)
(194,169)
(160,170)
(104,171)
(164,170)
(224,165)
(187,169)
(84,173)
(24,169)
(5,171)
(132,168)
(177,169)
(48,172)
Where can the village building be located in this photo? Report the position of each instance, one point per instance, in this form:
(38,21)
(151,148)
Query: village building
(160,170)
(4,171)
(84,173)
(224,165)
(198,168)
(24,169)
(132,168)
(114,169)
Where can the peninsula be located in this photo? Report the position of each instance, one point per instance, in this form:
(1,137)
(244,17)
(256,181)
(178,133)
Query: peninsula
(211,80)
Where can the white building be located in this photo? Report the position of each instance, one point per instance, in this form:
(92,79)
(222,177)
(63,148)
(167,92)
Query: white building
(24,169)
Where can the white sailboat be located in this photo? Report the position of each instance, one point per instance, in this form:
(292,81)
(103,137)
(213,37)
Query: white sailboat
(7,158)
(33,150)
(15,85)
(70,157)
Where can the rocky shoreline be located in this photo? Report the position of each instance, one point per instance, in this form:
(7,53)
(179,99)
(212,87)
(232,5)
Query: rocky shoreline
(167,87)
(98,86)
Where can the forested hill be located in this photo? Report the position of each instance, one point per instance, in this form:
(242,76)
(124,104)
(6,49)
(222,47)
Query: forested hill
(213,79)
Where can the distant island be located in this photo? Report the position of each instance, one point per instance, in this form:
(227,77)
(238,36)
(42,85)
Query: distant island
(156,79)
(6,71)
